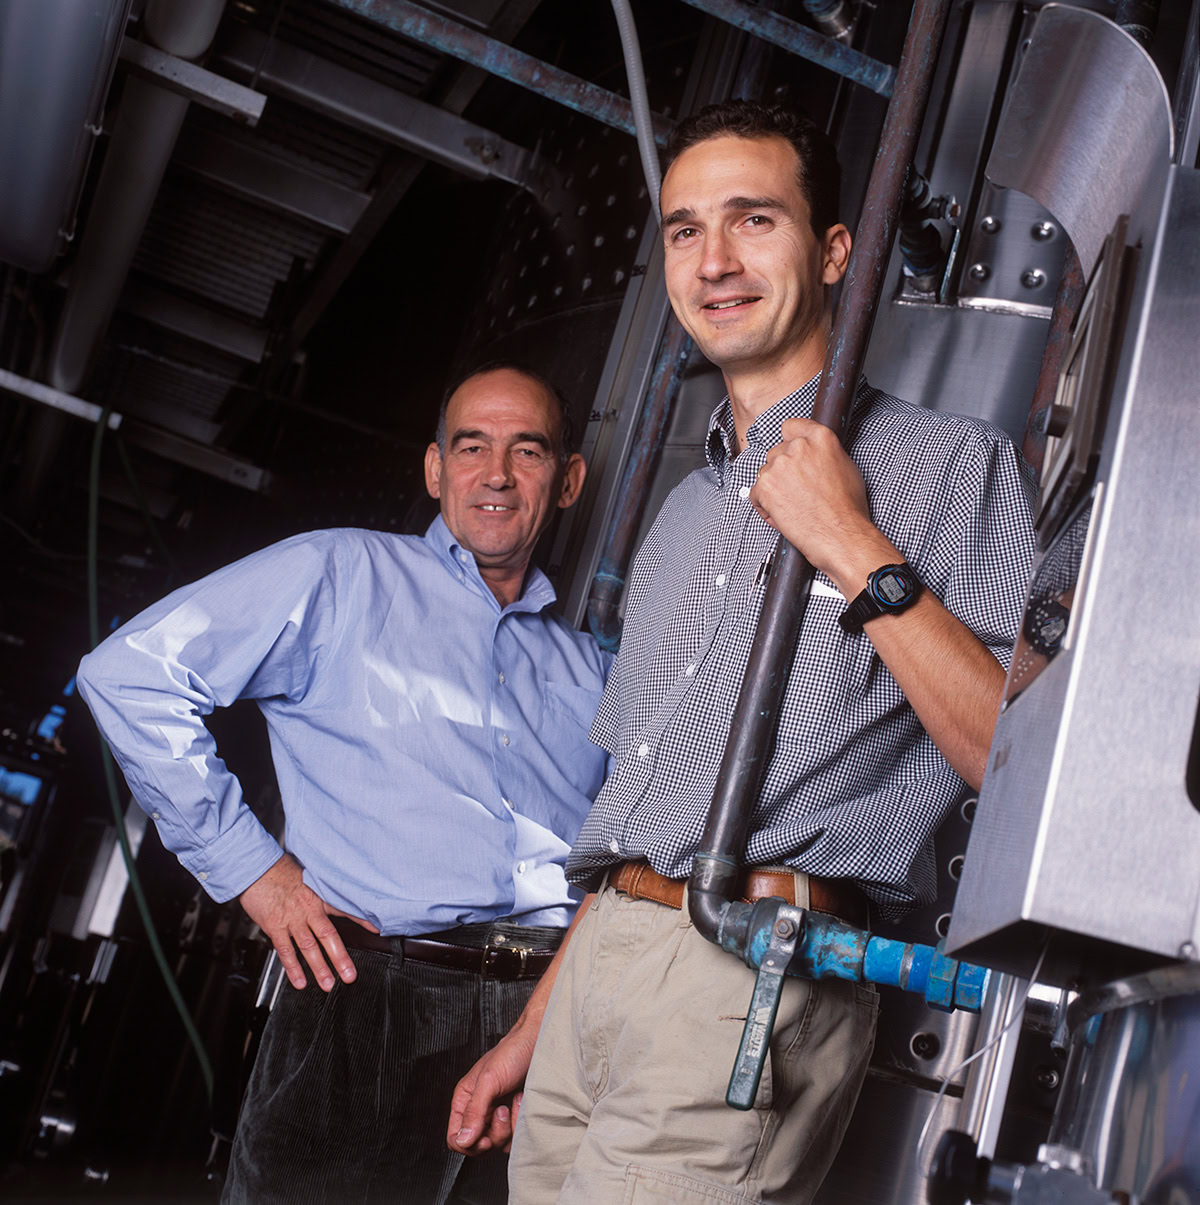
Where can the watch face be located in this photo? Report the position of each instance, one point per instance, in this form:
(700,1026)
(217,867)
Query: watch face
(891,587)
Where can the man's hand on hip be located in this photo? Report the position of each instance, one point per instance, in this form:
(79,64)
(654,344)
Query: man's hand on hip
(288,911)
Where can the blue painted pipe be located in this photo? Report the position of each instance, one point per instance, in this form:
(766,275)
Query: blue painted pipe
(498,58)
(799,40)
(828,948)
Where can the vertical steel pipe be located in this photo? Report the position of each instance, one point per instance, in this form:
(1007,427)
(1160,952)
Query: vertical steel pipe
(604,599)
(716,866)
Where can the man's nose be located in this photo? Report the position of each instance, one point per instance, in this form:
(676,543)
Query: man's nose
(499,470)
(719,258)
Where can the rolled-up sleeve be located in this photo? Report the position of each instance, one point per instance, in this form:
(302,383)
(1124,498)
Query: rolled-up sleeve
(255,629)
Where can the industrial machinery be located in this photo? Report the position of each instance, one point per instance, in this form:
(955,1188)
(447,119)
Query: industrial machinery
(248,245)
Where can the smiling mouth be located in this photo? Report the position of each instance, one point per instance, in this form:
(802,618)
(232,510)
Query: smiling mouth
(491,506)
(732,303)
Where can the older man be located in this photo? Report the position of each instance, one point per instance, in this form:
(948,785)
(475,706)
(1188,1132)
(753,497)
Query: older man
(922,540)
(429,718)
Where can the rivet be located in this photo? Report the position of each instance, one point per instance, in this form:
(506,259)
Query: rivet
(1033,278)
(979,272)
(1043,231)
(990,224)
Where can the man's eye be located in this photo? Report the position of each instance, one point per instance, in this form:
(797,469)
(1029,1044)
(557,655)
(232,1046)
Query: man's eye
(684,232)
(530,453)
(758,219)
(470,449)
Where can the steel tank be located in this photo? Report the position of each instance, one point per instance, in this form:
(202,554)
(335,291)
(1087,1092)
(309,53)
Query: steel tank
(1130,1099)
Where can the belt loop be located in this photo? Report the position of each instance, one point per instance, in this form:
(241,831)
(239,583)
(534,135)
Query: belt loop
(801,887)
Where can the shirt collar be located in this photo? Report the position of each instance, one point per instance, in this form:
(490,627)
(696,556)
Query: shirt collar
(720,447)
(537,595)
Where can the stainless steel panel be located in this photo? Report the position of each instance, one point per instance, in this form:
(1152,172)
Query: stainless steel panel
(1072,139)
(1088,826)
(1130,1103)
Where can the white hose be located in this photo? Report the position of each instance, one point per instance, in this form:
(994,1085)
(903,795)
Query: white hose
(636,75)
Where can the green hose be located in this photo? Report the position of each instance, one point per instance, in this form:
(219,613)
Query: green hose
(110,777)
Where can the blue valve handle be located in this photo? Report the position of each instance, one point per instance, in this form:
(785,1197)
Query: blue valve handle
(779,939)
(760,1019)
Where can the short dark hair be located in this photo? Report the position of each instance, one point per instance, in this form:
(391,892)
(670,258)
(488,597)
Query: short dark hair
(566,428)
(820,173)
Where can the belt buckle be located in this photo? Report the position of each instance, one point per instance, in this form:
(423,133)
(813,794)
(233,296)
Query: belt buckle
(500,946)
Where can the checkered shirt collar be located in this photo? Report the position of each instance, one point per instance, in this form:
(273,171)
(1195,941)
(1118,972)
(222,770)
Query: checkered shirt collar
(720,445)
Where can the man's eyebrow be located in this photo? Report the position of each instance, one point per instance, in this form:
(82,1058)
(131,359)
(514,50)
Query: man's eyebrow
(736,204)
(679,215)
(465,433)
(532,437)
(754,203)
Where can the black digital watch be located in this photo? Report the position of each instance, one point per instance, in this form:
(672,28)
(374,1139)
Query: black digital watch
(890,590)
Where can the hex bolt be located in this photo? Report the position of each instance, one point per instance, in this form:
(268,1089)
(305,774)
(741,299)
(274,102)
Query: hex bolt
(784,928)
(1043,231)
(1187,950)
(990,224)
(1033,278)
(979,272)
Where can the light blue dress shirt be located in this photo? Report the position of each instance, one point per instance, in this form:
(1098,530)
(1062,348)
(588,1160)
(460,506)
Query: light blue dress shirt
(431,747)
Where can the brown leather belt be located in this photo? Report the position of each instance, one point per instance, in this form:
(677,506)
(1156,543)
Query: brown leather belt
(838,897)
(502,958)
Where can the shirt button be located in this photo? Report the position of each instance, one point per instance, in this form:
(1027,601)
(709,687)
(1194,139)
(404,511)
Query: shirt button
(615,846)
(462,556)
(461,578)
(504,739)
(691,669)
(154,816)
(202,876)
(720,579)
(643,750)
(520,868)
(744,492)
(501,677)
(508,803)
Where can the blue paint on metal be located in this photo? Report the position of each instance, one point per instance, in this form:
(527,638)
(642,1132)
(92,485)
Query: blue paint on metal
(918,970)
(801,41)
(969,987)
(499,59)
(829,949)
(884,961)
(942,973)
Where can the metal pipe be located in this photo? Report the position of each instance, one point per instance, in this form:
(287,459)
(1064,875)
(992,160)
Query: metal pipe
(799,40)
(139,149)
(603,607)
(635,73)
(713,882)
(461,42)
(834,18)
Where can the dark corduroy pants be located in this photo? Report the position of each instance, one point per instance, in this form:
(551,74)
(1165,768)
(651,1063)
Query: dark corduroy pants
(349,1098)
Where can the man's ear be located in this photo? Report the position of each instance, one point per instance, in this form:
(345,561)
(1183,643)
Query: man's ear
(837,254)
(433,471)
(573,474)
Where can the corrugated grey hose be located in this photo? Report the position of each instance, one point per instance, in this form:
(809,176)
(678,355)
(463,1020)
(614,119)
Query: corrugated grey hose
(647,149)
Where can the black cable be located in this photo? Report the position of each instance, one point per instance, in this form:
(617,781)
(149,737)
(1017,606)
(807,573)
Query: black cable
(110,777)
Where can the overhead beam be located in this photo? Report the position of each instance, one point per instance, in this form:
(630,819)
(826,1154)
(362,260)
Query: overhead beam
(195,321)
(204,459)
(469,45)
(196,83)
(35,391)
(393,116)
(251,173)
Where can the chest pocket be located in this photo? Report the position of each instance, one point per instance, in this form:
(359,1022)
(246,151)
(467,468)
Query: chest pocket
(567,714)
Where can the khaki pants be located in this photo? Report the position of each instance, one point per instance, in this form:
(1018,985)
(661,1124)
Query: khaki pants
(625,1100)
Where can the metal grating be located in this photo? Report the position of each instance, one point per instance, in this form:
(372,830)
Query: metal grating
(221,248)
(307,139)
(347,40)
